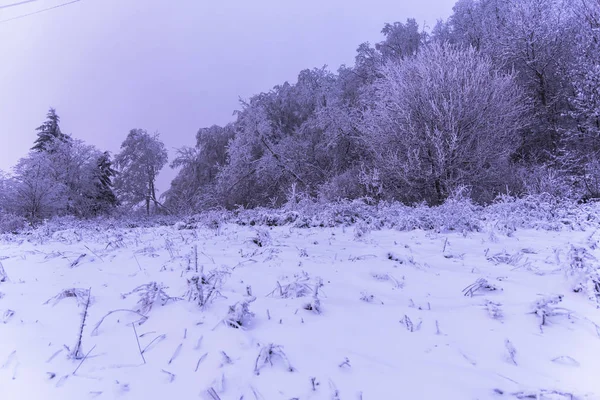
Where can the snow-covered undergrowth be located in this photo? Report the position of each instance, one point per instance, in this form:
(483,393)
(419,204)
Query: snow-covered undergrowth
(369,310)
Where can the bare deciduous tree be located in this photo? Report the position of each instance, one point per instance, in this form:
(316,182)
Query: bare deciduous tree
(141,158)
(442,120)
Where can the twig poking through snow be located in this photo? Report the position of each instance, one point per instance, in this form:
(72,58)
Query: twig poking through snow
(200,361)
(157,339)
(176,353)
(196,258)
(314,383)
(9,359)
(512,352)
(345,363)
(544,394)
(3,275)
(469,359)
(170,374)
(226,359)
(78,260)
(335,395)
(57,352)
(92,251)
(139,322)
(8,314)
(137,339)
(83,359)
(199,343)
(407,322)
(566,360)
(213,394)
(77,353)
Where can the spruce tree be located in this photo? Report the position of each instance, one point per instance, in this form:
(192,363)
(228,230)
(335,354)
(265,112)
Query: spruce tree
(105,197)
(48,132)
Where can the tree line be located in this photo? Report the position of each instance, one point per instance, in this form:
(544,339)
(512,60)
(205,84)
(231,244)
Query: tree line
(503,97)
(62,175)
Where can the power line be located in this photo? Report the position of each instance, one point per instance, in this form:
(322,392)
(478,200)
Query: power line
(17,4)
(39,11)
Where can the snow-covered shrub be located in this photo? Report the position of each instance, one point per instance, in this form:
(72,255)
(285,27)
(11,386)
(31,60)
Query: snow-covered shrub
(80,295)
(544,180)
(409,325)
(239,314)
(262,237)
(480,285)
(584,269)
(298,287)
(361,229)
(182,225)
(315,304)
(547,307)
(369,298)
(149,294)
(387,277)
(493,309)
(10,223)
(401,259)
(540,212)
(266,356)
(458,213)
(203,289)
(505,258)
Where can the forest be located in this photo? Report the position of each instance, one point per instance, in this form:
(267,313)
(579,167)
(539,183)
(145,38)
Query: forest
(500,99)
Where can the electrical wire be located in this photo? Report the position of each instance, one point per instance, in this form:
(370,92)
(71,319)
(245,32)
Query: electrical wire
(17,4)
(39,11)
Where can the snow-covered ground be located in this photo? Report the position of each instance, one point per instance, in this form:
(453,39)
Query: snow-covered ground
(396,315)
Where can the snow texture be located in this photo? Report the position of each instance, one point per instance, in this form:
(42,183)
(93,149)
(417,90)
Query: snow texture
(241,312)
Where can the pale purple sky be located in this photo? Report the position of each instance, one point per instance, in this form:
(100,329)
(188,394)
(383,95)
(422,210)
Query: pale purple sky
(108,66)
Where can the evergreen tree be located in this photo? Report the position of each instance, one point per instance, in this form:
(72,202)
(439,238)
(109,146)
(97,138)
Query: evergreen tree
(49,131)
(105,197)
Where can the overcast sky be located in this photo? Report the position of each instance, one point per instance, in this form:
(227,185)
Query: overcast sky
(170,66)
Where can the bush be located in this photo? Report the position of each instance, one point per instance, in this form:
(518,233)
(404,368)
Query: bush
(10,223)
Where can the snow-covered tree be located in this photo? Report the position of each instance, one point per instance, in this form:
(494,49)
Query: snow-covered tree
(582,141)
(142,157)
(402,40)
(104,173)
(49,131)
(62,179)
(34,193)
(194,186)
(535,38)
(445,119)
(279,142)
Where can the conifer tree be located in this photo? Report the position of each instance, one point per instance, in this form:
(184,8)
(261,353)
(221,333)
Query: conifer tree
(49,131)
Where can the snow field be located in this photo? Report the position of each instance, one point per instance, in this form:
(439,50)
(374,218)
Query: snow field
(397,315)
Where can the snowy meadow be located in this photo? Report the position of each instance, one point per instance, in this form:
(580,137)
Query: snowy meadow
(350,302)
